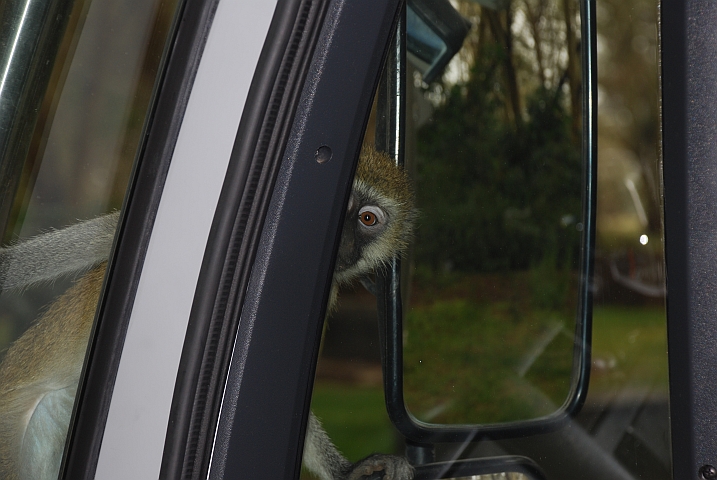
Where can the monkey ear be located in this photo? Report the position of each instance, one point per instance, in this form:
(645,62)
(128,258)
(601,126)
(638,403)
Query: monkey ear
(369,284)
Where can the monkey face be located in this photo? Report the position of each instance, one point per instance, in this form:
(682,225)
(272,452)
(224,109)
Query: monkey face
(363,227)
(379,217)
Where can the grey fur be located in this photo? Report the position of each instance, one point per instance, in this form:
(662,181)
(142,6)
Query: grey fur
(57,253)
(320,455)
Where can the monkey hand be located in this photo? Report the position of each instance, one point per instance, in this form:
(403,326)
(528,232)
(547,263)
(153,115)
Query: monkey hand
(377,466)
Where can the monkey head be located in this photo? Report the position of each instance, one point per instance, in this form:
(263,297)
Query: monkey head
(379,217)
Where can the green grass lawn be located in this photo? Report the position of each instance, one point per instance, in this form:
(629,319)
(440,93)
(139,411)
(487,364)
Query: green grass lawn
(629,348)
(479,363)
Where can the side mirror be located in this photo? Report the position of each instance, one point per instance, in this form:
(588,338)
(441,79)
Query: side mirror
(495,336)
(434,34)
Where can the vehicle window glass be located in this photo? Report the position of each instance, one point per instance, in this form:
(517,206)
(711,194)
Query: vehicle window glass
(493,144)
(76,83)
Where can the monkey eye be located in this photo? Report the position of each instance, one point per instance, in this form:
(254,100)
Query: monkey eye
(368,218)
(371,216)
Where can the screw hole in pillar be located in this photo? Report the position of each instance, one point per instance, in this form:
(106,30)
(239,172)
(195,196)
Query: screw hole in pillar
(323,154)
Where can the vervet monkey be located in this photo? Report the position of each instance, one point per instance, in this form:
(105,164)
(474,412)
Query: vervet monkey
(41,370)
(378,225)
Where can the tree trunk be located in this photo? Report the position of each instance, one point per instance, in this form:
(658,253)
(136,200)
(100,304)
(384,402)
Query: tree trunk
(573,68)
(504,37)
(534,19)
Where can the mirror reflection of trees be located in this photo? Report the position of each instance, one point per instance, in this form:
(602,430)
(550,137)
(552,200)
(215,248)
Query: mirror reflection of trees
(499,185)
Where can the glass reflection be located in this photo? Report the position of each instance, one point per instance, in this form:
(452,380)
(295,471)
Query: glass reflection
(489,328)
(77,82)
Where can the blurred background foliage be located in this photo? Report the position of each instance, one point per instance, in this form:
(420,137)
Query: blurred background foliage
(498,165)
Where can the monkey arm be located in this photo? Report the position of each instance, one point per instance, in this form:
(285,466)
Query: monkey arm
(324,460)
(51,255)
(321,457)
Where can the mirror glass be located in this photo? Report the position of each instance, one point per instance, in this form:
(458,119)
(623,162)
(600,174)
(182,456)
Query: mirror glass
(494,143)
